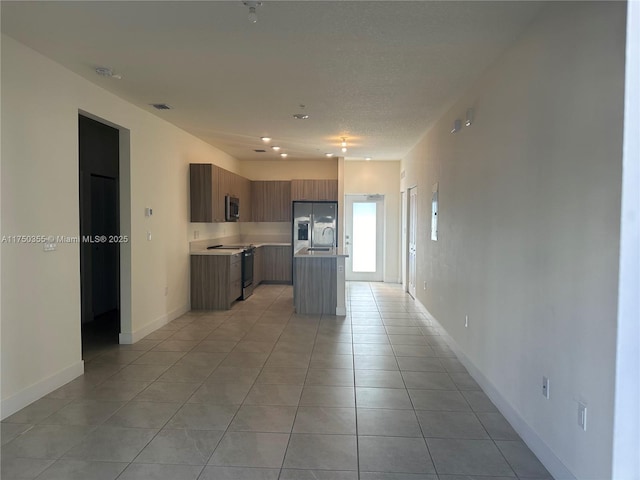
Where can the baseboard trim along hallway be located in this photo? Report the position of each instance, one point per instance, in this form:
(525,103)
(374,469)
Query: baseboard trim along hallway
(529,436)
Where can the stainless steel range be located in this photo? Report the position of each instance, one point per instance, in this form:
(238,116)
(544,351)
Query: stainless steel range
(248,253)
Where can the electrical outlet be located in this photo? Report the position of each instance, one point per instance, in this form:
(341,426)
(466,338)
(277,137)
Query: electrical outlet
(424,286)
(545,387)
(582,416)
(466,321)
(149,236)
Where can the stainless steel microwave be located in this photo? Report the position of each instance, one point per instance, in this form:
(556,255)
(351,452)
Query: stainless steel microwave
(232,208)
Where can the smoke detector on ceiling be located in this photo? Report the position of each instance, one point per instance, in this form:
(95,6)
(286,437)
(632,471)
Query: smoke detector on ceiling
(107,72)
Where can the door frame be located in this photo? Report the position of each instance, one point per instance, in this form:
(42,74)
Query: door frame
(378,275)
(403,239)
(124,199)
(410,227)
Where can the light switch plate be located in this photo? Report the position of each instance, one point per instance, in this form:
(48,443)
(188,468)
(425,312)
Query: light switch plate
(582,416)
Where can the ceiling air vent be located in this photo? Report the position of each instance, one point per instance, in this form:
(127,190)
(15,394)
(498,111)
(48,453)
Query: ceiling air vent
(260,151)
(161,106)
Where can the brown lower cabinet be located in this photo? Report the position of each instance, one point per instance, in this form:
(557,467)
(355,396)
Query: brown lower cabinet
(276,263)
(257,266)
(216,281)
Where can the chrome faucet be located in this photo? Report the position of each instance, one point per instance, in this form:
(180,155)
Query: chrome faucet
(333,234)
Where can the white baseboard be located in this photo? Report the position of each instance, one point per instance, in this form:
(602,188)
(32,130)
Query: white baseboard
(133,337)
(552,463)
(18,401)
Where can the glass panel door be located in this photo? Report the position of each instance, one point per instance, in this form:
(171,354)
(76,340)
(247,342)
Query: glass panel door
(364,237)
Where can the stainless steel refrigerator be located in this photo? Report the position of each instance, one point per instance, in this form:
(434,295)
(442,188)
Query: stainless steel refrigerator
(314,225)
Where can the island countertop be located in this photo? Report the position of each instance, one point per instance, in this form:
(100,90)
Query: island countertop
(334,252)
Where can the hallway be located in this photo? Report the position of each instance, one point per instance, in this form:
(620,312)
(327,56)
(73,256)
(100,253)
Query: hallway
(258,392)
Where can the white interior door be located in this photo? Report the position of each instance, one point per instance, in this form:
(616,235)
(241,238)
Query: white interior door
(404,243)
(364,237)
(413,223)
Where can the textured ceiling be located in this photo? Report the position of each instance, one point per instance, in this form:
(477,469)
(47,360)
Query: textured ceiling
(376,72)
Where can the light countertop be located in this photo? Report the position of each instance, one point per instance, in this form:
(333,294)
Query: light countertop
(201,248)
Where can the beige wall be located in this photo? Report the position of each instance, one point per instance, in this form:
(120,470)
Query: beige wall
(41,291)
(289,169)
(529,229)
(380,177)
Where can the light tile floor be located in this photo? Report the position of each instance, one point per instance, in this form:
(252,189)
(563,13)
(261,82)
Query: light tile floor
(258,392)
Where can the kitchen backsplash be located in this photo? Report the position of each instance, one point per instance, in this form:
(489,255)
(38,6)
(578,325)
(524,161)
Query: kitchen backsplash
(239,233)
(280,230)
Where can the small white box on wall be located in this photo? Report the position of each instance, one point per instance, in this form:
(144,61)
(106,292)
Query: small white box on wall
(434,212)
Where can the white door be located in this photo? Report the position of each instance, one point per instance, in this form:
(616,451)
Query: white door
(403,240)
(364,237)
(413,218)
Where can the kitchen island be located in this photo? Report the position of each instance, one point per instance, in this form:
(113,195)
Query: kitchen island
(318,281)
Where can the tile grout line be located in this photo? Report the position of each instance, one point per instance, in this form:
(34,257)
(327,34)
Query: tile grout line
(183,403)
(244,398)
(355,394)
(304,382)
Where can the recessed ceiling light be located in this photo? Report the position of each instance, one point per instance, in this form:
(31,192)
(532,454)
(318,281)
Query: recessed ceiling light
(300,116)
(328,154)
(367,158)
(469,118)
(276,148)
(283,155)
(265,139)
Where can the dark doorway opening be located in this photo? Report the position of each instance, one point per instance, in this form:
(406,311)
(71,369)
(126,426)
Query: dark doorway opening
(99,148)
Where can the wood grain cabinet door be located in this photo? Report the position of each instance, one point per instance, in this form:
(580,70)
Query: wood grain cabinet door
(271,201)
(210,282)
(314,190)
(257,266)
(201,192)
(244,194)
(235,277)
(277,264)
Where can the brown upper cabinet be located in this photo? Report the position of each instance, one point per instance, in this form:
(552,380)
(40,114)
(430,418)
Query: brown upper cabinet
(314,190)
(271,201)
(209,184)
(236,186)
(260,201)
(202,190)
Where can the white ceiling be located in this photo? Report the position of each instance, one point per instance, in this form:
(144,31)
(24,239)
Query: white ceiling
(376,72)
